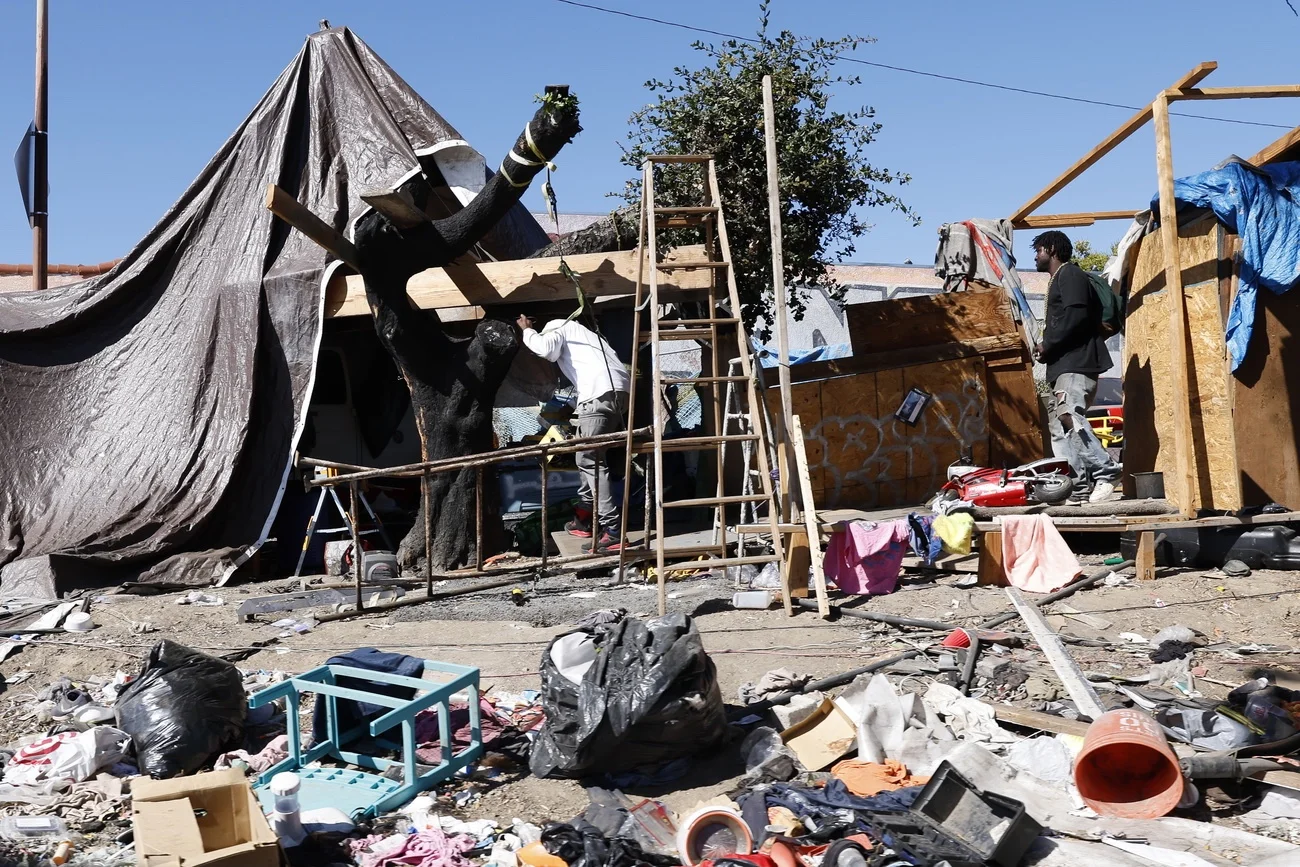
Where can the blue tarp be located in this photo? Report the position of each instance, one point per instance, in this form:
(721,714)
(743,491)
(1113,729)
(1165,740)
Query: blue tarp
(1263,208)
(767,355)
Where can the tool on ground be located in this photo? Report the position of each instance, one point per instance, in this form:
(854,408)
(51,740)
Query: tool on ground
(312,530)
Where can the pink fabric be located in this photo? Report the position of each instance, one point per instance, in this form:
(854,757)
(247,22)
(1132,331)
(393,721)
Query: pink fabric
(865,557)
(429,848)
(427,736)
(1034,555)
(274,752)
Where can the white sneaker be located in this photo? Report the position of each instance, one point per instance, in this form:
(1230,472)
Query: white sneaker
(1102,492)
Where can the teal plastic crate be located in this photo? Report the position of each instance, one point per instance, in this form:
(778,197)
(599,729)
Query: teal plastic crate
(355,792)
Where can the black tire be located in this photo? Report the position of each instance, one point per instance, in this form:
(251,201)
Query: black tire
(1052,490)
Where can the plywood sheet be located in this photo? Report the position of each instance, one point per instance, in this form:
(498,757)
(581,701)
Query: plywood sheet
(905,323)
(860,456)
(1148,399)
(1267,404)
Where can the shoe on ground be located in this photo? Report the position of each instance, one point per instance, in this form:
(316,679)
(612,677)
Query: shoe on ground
(578,528)
(1103,492)
(607,542)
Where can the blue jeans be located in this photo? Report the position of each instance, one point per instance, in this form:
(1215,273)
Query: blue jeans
(1072,436)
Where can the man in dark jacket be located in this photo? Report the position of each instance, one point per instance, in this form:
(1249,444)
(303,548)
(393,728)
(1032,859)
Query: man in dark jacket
(1074,350)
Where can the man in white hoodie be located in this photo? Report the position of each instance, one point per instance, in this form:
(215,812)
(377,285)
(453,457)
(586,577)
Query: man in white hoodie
(593,367)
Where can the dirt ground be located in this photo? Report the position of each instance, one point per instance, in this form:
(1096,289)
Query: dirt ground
(506,642)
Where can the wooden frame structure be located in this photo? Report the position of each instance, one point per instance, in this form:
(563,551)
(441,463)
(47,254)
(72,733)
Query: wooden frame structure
(1185,88)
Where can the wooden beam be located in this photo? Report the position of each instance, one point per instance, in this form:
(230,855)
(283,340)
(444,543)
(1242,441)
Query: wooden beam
(1277,148)
(1061,221)
(1184,462)
(1267,91)
(1108,144)
(1067,670)
(1145,559)
(397,206)
(520,281)
(1033,719)
(809,509)
(293,212)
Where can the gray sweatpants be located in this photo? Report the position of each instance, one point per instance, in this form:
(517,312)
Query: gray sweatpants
(1072,436)
(600,415)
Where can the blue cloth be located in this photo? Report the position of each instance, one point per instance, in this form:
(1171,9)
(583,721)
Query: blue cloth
(926,544)
(353,713)
(1261,207)
(767,356)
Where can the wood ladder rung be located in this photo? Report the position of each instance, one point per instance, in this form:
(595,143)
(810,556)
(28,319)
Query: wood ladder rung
(692,263)
(705,209)
(715,501)
(679,334)
(686,444)
(752,529)
(704,380)
(679,158)
(717,320)
(692,565)
(640,553)
(684,218)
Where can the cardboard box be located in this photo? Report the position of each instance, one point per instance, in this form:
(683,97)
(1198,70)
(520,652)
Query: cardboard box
(825,735)
(210,819)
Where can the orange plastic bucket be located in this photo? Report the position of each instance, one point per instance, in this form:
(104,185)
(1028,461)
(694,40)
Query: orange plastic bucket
(1126,768)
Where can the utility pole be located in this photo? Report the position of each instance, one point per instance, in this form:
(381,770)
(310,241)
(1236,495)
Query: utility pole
(40,153)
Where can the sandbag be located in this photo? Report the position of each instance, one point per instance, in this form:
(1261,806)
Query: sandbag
(183,709)
(646,694)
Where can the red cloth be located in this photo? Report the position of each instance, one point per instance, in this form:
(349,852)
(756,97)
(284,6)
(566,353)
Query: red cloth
(428,738)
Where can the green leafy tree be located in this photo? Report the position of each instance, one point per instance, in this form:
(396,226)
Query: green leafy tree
(825,176)
(1088,260)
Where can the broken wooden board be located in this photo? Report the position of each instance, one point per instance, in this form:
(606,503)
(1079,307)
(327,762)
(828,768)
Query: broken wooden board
(1079,689)
(521,281)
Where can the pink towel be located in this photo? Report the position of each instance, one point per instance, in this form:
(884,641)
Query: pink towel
(865,557)
(1034,555)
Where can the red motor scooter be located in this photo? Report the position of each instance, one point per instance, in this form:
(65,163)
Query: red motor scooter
(1045,481)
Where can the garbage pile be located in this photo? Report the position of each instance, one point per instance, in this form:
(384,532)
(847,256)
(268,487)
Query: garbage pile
(964,751)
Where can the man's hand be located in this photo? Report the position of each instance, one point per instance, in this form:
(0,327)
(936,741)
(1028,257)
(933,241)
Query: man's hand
(1038,351)
(523,322)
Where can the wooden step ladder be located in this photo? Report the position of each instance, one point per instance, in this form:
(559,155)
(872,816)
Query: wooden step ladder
(722,323)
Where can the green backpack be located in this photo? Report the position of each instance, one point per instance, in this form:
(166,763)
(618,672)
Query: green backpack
(1112,305)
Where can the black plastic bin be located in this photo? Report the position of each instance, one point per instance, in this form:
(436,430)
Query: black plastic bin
(953,820)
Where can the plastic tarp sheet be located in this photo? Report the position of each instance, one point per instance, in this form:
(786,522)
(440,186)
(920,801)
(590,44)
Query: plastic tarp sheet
(770,357)
(1263,207)
(148,416)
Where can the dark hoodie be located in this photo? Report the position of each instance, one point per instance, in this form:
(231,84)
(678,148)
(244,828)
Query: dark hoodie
(1072,338)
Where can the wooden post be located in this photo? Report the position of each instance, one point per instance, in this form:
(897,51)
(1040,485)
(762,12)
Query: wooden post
(1184,457)
(1145,560)
(779,312)
(40,153)
(809,510)
(991,570)
(353,496)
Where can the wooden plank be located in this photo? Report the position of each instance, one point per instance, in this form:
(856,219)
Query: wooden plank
(1145,559)
(1062,221)
(1076,685)
(1277,150)
(293,212)
(1196,75)
(780,311)
(930,320)
(1032,719)
(1000,344)
(990,568)
(1137,523)
(1184,474)
(808,506)
(521,281)
(1261,91)
(397,206)
(794,572)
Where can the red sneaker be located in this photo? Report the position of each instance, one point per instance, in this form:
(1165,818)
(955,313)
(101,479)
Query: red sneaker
(577,527)
(607,542)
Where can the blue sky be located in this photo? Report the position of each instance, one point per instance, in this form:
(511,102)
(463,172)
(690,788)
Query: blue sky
(142,94)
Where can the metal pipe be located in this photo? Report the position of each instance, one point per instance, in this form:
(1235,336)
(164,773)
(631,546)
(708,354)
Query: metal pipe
(968,671)
(892,619)
(546,527)
(356,541)
(1068,590)
(415,600)
(832,681)
(426,503)
(478,519)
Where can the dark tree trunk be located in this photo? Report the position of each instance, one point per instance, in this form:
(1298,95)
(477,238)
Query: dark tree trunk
(453,381)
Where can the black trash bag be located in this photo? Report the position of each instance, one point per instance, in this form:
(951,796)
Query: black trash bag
(184,708)
(582,845)
(651,696)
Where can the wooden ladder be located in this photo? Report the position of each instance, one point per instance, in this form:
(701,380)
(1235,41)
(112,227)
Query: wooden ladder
(722,322)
